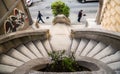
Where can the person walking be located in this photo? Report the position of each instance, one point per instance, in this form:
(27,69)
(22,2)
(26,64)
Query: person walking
(39,17)
(80,15)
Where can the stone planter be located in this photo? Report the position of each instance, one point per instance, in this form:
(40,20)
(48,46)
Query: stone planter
(33,66)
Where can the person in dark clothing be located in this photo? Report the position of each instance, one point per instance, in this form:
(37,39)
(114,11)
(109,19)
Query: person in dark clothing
(80,15)
(39,17)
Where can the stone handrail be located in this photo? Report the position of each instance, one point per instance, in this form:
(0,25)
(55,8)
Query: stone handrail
(16,38)
(107,37)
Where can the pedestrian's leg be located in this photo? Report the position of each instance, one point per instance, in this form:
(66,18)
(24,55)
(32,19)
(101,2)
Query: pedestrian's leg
(42,20)
(78,19)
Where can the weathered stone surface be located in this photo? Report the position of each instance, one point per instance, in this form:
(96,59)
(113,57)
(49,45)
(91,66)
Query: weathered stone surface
(105,52)
(81,46)
(33,49)
(89,47)
(20,37)
(75,44)
(112,58)
(41,48)
(6,68)
(18,55)
(7,60)
(34,64)
(91,42)
(61,19)
(96,67)
(111,12)
(23,49)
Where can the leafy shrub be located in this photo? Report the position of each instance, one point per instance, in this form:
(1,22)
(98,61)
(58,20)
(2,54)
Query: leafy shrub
(63,63)
(60,7)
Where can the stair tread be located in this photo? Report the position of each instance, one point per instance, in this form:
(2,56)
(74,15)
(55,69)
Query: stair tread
(89,47)
(6,68)
(100,46)
(33,48)
(16,54)
(47,45)
(105,52)
(112,58)
(75,44)
(115,65)
(23,49)
(41,48)
(81,46)
(5,59)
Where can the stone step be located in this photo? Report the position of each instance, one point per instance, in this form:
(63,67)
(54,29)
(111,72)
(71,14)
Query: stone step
(33,48)
(115,66)
(105,52)
(17,55)
(117,72)
(81,46)
(100,46)
(89,47)
(47,45)
(6,69)
(41,48)
(23,49)
(7,60)
(75,44)
(112,58)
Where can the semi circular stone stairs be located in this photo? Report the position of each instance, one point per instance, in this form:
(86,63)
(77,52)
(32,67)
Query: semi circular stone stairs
(18,49)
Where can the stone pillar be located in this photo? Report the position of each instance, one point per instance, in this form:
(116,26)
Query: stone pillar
(99,12)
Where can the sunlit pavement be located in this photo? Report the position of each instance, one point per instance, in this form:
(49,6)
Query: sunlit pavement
(90,9)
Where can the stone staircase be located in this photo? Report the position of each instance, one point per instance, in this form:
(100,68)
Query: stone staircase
(97,50)
(22,54)
(17,49)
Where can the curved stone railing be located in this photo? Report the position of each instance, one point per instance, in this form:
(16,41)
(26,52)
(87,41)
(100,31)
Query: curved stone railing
(106,37)
(16,38)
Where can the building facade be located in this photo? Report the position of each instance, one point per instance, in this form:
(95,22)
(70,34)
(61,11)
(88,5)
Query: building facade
(14,16)
(109,14)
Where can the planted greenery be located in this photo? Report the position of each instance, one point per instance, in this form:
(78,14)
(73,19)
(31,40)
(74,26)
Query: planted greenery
(60,7)
(63,63)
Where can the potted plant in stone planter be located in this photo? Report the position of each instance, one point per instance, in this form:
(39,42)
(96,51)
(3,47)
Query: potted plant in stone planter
(63,63)
(61,12)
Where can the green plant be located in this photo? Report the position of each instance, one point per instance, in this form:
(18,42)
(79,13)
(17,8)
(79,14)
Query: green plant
(62,62)
(60,7)
(65,63)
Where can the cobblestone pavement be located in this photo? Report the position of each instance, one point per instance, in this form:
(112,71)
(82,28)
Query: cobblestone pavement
(44,6)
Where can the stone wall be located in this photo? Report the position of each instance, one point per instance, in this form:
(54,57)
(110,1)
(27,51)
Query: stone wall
(15,16)
(110,15)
